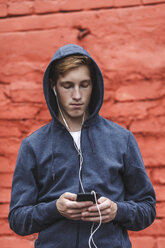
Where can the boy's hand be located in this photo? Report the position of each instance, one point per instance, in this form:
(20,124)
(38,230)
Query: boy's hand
(70,208)
(107,208)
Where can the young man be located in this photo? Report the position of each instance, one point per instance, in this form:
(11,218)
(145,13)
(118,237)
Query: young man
(79,151)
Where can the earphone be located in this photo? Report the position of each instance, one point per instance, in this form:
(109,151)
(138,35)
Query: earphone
(54,91)
(80,169)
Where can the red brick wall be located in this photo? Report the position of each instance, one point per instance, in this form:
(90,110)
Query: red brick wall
(127,39)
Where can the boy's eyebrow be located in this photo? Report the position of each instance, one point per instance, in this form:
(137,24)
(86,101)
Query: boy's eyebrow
(70,82)
(86,80)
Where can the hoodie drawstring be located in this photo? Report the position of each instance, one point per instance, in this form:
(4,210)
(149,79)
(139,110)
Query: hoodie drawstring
(89,134)
(52,163)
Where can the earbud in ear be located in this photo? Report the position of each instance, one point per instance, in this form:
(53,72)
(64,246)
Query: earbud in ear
(54,89)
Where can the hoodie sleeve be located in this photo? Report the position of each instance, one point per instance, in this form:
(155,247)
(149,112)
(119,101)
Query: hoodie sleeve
(26,215)
(138,210)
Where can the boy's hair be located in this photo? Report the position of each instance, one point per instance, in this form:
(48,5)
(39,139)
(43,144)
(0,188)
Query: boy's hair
(63,65)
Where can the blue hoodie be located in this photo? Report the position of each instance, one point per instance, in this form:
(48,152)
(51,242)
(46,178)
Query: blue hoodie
(48,165)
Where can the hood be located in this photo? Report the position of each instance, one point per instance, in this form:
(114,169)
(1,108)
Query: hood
(98,87)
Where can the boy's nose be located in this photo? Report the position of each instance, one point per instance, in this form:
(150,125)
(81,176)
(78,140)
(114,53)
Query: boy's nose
(76,94)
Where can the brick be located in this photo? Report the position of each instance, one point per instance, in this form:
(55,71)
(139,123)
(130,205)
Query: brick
(9,129)
(160,210)
(4,210)
(9,147)
(158,109)
(25,72)
(160,192)
(7,242)
(149,125)
(120,3)
(3,10)
(131,110)
(16,77)
(26,23)
(5,180)
(20,128)
(152,1)
(22,48)
(19,111)
(140,91)
(26,92)
(158,176)
(147,242)
(4,228)
(3,89)
(161,242)
(152,149)
(5,195)
(6,164)
(20,8)
(54,6)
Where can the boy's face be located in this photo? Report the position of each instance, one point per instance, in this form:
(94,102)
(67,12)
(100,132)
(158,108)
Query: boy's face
(74,91)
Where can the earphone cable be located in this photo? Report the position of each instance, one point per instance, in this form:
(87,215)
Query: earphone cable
(100,222)
(79,151)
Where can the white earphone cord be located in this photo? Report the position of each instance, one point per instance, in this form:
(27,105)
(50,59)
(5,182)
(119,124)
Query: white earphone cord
(80,169)
(79,151)
(96,229)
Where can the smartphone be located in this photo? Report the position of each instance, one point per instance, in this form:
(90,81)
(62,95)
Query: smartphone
(86,197)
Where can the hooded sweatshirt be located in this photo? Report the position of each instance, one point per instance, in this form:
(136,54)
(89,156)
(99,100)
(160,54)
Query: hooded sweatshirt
(48,166)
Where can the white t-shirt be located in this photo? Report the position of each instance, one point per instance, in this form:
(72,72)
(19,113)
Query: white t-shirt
(76,136)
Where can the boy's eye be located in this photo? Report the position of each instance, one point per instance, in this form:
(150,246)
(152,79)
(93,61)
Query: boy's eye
(85,84)
(67,85)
